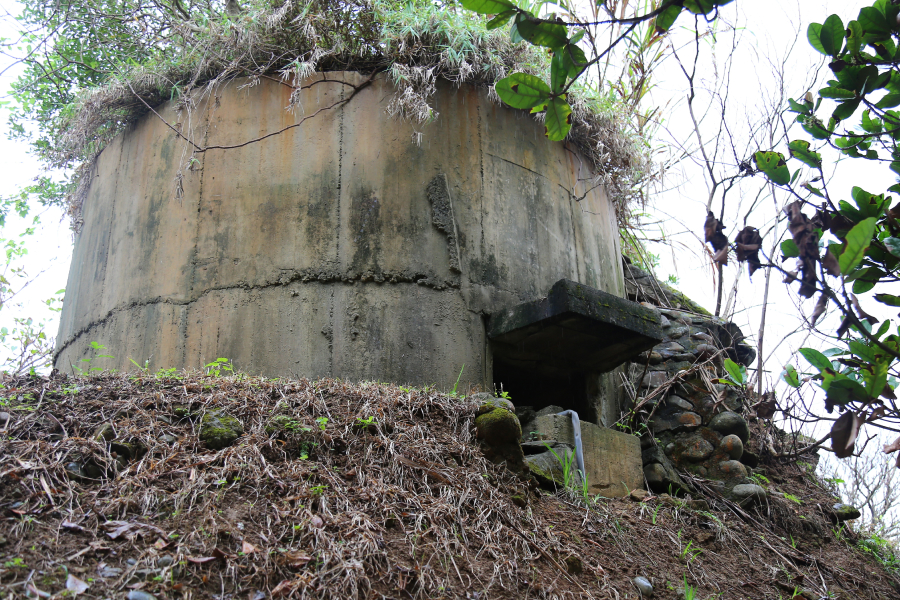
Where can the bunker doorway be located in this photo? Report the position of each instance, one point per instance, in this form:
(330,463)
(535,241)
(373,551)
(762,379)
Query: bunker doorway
(538,388)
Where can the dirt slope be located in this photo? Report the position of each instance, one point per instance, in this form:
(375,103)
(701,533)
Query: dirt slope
(335,490)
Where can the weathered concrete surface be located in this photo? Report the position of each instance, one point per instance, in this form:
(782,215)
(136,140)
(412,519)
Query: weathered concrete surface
(612,459)
(336,248)
(575,326)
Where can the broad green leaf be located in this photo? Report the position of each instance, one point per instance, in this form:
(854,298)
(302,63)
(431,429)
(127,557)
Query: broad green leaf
(700,7)
(501,19)
(774,166)
(858,240)
(814,35)
(558,72)
(667,18)
(888,299)
(574,59)
(558,119)
(800,150)
(539,33)
(521,90)
(790,376)
(861,286)
(488,7)
(889,101)
(832,35)
(845,110)
(797,107)
(893,245)
(789,249)
(815,358)
(837,93)
(734,371)
(872,20)
(844,390)
(514,36)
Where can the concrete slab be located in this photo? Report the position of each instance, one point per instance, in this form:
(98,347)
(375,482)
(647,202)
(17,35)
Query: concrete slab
(612,459)
(575,327)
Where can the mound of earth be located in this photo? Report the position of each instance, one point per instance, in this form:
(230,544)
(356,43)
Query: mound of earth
(141,487)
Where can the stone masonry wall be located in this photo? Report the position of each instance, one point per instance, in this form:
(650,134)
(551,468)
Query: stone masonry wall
(695,425)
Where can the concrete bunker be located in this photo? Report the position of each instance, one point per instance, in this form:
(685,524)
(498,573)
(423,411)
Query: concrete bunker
(340,248)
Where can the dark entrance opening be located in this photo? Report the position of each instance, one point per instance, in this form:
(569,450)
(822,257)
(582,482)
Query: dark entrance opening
(540,389)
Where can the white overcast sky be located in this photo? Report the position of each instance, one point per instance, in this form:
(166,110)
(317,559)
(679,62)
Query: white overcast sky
(767,27)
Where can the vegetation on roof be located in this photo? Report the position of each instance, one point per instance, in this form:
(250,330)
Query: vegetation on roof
(94,69)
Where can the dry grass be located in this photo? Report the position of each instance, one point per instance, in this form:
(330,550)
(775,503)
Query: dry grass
(414,45)
(365,491)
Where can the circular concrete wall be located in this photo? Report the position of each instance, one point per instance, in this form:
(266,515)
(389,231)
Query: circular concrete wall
(336,248)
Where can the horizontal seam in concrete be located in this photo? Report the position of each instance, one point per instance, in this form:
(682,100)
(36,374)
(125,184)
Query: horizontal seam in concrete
(322,277)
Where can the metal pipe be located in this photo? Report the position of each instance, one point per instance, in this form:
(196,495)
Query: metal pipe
(579,452)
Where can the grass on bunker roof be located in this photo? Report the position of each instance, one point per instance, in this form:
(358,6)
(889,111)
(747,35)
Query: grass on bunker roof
(357,491)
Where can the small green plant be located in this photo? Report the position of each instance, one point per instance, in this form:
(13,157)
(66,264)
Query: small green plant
(16,563)
(882,550)
(690,592)
(87,369)
(323,422)
(792,498)
(689,553)
(360,422)
(453,393)
(760,479)
(317,490)
(737,374)
(219,366)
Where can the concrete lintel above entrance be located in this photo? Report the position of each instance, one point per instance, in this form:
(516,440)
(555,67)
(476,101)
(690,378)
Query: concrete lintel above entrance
(575,328)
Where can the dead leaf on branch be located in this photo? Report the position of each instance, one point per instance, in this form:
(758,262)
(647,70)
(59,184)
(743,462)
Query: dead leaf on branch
(747,246)
(713,232)
(859,311)
(819,310)
(789,277)
(892,447)
(803,232)
(844,433)
(830,262)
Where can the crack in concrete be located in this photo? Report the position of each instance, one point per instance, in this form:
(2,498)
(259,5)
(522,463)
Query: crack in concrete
(305,276)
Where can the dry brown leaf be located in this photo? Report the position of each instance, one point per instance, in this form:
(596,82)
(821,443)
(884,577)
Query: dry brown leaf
(247,548)
(284,588)
(75,585)
(712,231)
(789,277)
(819,310)
(296,559)
(859,311)
(201,560)
(830,262)
(892,447)
(844,433)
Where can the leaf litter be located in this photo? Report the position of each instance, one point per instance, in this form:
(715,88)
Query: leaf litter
(339,490)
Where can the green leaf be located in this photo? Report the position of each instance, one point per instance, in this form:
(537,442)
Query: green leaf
(501,19)
(774,166)
(667,18)
(836,93)
(845,110)
(790,376)
(488,7)
(574,59)
(558,71)
(858,240)
(800,150)
(888,299)
(700,7)
(521,90)
(872,20)
(814,35)
(832,35)
(539,33)
(734,371)
(889,101)
(558,119)
(815,358)
(861,286)
(893,245)
(789,249)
